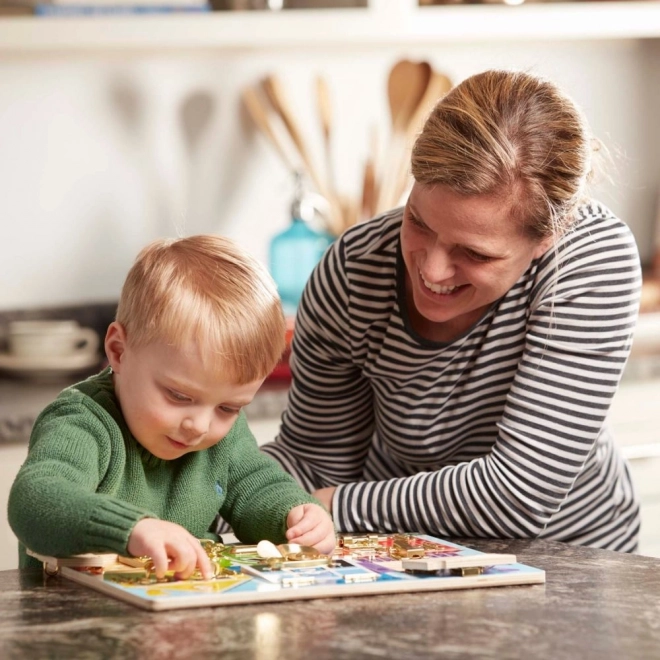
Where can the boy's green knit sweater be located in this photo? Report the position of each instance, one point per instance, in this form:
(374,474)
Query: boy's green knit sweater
(87,481)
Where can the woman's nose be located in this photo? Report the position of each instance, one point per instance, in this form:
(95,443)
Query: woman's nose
(438,265)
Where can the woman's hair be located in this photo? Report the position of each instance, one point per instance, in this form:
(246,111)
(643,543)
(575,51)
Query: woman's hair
(206,290)
(512,135)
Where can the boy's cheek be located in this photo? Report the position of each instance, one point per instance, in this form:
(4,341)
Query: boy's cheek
(156,419)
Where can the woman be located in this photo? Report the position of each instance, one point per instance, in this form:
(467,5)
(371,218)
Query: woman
(454,360)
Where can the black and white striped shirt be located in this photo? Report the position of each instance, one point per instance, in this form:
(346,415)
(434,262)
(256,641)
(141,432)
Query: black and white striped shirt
(499,433)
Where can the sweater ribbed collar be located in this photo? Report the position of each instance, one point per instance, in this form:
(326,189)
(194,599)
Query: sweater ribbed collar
(148,459)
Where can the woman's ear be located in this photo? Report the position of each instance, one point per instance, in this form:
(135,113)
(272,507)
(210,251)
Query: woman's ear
(543,246)
(115,345)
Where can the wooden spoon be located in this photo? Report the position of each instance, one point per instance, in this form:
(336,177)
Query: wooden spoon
(406,86)
(368,201)
(438,86)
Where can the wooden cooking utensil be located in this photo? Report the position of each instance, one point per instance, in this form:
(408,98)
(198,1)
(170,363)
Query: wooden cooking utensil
(438,86)
(258,111)
(370,180)
(278,99)
(325,117)
(406,86)
(368,206)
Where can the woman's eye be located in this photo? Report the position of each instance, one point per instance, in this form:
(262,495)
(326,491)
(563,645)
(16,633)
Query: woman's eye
(476,256)
(415,222)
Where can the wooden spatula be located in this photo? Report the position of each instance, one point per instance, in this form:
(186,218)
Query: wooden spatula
(325,118)
(258,111)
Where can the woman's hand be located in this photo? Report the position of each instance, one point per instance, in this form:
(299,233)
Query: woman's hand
(310,524)
(171,547)
(324,495)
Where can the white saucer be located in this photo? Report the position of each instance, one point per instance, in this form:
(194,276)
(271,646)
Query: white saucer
(48,367)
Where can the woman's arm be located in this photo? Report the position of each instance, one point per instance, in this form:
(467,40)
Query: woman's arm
(320,442)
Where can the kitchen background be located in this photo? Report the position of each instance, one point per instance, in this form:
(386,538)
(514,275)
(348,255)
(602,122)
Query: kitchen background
(117,130)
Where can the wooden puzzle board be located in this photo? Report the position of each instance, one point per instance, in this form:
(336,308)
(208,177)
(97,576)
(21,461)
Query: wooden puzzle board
(350,574)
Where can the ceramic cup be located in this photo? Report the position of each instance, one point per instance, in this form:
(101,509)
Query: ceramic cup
(50,339)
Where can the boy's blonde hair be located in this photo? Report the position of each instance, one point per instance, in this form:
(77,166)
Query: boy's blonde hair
(207,290)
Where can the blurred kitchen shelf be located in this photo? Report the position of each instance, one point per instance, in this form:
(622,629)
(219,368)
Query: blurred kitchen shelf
(384,22)
(534,21)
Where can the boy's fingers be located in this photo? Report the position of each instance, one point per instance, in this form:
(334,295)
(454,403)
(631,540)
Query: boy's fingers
(329,543)
(193,556)
(180,558)
(308,522)
(308,537)
(160,561)
(297,531)
(295,516)
(320,534)
(203,561)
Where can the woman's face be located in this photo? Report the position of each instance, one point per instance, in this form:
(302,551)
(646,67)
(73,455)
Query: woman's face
(461,255)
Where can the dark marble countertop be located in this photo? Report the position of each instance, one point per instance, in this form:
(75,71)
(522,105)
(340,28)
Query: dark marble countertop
(596,604)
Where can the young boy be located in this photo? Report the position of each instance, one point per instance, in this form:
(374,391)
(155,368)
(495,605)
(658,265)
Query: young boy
(140,458)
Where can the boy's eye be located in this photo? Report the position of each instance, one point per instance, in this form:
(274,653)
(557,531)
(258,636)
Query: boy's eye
(228,410)
(176,396)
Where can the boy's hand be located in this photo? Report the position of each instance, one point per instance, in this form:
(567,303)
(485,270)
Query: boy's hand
(171,547)
(310,524)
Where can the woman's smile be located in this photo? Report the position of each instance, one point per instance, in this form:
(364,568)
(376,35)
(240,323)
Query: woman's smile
(440,289)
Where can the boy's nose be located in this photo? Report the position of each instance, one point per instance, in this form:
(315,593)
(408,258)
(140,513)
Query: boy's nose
(195,426)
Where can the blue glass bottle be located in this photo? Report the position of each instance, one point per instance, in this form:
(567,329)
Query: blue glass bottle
(295,252)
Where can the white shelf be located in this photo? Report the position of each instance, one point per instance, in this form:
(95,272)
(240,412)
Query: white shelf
(218,30)
(385,23)
(568,20)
